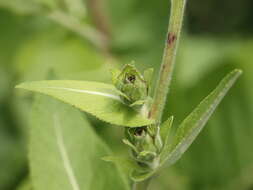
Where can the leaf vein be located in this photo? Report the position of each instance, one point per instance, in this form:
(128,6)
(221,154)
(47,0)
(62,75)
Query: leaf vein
(64,155)
(88,92)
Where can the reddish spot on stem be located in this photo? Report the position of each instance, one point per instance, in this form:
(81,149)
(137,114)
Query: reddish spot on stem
(171,39)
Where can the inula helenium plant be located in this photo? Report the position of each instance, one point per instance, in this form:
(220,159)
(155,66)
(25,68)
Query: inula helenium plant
(128,103)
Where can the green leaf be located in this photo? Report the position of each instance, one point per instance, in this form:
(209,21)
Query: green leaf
(99,99)
(165,132)
(128,143)
(165,129)
(137,103)
(65,153)
(125,164)
(194,123)
(115,73)
(148,75)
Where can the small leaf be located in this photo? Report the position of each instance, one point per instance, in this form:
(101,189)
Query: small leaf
(125,164)
(65,153)
(115,73)
(165,131)
(194,123)
(148,75)
(99,99)
(137,103)
(128,143)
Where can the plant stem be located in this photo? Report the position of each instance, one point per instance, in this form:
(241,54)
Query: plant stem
(99,16)
(143,185)
(166,70)
(84,30)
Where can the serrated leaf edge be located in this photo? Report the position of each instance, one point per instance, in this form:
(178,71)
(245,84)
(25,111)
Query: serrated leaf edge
(20,86)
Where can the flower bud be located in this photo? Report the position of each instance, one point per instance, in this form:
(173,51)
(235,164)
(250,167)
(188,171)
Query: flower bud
(132,84)
(145,150)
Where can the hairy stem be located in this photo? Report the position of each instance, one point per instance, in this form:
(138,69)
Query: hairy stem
(166,70)
(84,30)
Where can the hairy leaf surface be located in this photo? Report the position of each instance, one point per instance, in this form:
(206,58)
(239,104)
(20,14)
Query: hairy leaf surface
(65,152)
(194,123)
(99,99)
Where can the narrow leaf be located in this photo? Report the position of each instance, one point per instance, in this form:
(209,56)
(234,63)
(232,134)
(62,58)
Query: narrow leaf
(99,99)
(65,152)
(148,75)
(194,123)
(166,129)
(128,143)
(115,73)
(165,132)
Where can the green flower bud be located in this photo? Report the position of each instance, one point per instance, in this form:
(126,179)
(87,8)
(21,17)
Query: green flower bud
(142,143)
(133,85)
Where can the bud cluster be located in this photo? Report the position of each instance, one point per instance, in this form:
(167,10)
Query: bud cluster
(135,88)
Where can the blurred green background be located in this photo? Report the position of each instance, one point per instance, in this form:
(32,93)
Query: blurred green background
(217,37)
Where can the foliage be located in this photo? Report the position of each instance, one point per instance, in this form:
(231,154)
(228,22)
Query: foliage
(30,45)
(98,99)
(72,150)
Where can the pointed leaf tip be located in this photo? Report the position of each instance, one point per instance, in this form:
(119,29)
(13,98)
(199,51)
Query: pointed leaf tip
(99,99)
(165,133)
(194,123)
